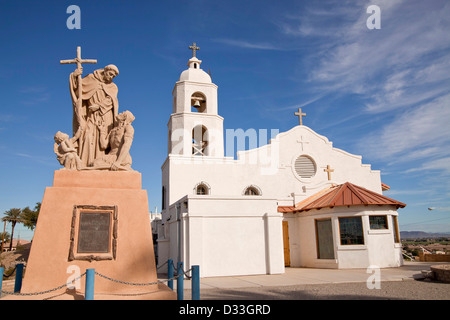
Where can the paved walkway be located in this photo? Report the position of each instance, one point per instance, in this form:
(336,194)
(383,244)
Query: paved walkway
(256,286)
(301,276)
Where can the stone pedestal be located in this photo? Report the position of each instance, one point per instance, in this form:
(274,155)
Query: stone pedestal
(100,220)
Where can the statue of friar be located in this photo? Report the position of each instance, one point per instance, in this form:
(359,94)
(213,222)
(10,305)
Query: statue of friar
(99,104)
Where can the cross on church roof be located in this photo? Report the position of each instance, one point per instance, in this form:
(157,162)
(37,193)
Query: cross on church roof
(329,171)
(301,141)
(300,115)
(194,48)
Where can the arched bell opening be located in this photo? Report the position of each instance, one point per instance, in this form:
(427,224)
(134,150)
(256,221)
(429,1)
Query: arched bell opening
(198,102)
(200,141)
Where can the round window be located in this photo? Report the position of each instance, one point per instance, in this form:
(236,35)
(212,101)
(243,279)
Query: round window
(305,167)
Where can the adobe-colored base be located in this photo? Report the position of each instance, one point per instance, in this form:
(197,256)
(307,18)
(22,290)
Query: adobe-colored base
(49,265)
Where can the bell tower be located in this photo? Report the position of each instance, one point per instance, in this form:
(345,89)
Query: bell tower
(195,128)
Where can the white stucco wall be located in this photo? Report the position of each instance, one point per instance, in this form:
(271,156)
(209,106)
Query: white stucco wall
(229,236)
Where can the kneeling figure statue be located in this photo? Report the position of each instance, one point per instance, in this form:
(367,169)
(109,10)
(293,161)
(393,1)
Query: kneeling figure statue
(119,141)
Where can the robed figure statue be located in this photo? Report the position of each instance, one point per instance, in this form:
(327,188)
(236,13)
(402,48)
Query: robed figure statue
(101,136)
(98,105)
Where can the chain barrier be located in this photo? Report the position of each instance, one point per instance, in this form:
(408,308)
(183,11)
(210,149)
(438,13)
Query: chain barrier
(42,292)
(157,268)
(143,284)
(176,269)
(105,277)
(102,276)
(12,272)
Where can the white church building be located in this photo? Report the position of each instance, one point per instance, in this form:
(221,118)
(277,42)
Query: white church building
(296,201)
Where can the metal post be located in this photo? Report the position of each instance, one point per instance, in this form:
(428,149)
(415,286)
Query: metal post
(195,282)
(170,273)
(180,281)
(89,288)
(1,279)
(19,275)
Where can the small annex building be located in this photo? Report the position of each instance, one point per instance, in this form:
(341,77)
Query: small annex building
(343,226)
(297,201)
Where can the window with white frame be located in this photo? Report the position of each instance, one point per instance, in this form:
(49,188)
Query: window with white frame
(351,230)
(202,189)
(378,222)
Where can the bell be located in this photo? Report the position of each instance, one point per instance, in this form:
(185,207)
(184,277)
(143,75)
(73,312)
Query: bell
(197,104)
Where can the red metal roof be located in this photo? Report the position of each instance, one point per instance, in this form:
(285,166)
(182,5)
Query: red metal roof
(384,187)
(346,194)
(284,209)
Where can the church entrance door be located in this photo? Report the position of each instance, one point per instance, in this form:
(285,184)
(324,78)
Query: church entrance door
(287,256)
(324,236)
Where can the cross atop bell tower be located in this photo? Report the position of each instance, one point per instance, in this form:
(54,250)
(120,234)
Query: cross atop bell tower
(194,48)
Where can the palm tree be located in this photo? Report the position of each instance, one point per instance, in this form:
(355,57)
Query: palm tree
(4,236)
(29,217)
(13,216)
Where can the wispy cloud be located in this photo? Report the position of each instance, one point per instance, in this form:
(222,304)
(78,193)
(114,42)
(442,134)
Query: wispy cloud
(45,160)
(300,104)
(33,89)
(248,45)
(24,155)
(442,164)
(407,192)
(7,117)
(393,67)
(34,94)
(418,133)
(401,71)
(421,153)
(313,21)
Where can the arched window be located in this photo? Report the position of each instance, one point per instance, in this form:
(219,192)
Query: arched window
(200,141)
(202,189)
(252,191)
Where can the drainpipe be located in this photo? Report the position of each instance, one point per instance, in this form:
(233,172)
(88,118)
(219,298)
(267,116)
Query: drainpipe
(179,230)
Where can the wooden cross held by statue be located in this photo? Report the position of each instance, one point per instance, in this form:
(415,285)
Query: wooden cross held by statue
(79,62)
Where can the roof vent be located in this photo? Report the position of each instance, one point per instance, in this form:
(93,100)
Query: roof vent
(305,167)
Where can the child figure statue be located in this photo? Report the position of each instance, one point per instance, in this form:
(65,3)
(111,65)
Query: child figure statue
(65,150)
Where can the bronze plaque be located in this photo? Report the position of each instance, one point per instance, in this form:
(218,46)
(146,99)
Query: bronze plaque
(94,234)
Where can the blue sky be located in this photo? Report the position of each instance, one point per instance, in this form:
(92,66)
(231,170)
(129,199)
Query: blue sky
(383,94)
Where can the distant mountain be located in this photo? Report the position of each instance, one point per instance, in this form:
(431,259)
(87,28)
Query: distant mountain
(421,234)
